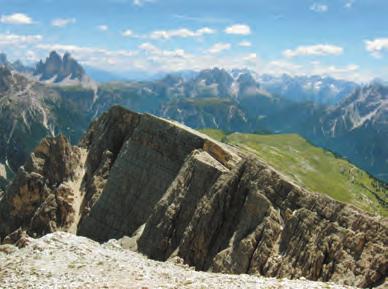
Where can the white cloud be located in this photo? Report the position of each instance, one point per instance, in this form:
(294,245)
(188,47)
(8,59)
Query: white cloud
(103,27)
(219,47)
(15,39)
(319,7)
(349,72)
(238,29)
(200,19)
(16,18)
(174,60)
(182,32)
(245,44)
(349,4)
(142,2)
(127,33)
(319,49)
(376,46)
(251,57)
(156,51)
(84,50)
(93,56)
(62,22)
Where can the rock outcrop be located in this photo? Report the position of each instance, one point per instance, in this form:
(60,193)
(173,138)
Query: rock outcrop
(176,193)
(57,68)
(43,197)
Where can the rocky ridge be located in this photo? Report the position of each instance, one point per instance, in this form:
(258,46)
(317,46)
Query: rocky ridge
(214,206)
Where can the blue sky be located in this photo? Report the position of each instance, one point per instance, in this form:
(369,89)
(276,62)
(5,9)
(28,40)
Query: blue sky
(343,38)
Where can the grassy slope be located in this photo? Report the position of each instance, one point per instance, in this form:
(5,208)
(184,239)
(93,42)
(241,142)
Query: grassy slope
(312,167)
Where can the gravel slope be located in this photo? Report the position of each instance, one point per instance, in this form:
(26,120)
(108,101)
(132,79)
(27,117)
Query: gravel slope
(62,260)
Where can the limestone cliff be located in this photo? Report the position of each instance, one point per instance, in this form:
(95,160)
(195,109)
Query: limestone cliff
(177,193)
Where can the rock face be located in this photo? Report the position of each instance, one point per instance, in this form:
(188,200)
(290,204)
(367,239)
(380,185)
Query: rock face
(30,111)
(57,69)
(44,197)
(5,79)
(177,193)
(358,126)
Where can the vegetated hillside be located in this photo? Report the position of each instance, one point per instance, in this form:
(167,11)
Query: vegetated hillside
(313,168)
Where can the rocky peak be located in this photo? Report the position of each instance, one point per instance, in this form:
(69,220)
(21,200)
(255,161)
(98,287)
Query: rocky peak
(215,75)
(246,78)
(177,193)
(5,79)
(3,59)
(57,68)
(213,83)
(172,80)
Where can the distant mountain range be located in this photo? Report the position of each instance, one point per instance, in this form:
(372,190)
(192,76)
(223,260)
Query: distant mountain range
(58,96)
(16,65)
(319,89)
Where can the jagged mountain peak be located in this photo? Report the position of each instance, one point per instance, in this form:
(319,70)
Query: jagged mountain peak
(215,75)
(57,69)
(5,78)
(17,65)
(3,59)
(246,77)
(171,79)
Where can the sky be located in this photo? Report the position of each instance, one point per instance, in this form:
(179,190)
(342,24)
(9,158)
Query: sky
(347,39)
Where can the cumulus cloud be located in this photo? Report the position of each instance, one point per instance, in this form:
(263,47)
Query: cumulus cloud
(182,33)
(251,57)
(319,7)
(142,2)
(238,29)
(200,19)
(317,50)
(219,47)
(127,33)
(349,72)
(84,50)
(156,51)
(376,46)
(93,56)
(159,60)
(17,19)
(16,39)
(103,27)
(245,44)
(62,22)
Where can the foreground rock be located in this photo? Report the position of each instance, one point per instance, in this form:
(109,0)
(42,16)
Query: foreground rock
(62,260)
(177,193)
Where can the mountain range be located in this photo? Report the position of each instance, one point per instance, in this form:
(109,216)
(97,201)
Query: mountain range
(344,117)
(249,194)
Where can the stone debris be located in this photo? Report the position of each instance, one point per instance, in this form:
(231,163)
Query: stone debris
(63,260)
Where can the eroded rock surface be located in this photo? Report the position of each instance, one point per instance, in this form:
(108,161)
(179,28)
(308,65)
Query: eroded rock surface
(176,193)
